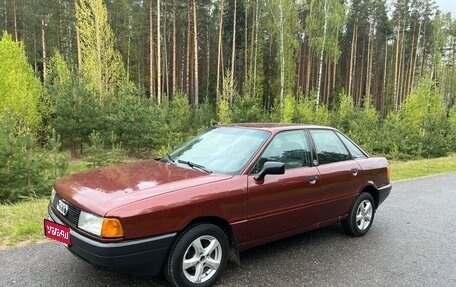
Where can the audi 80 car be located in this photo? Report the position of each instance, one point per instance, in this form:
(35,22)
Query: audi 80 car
(226,190)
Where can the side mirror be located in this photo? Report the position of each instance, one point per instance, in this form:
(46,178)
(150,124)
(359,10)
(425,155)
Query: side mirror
(270,167)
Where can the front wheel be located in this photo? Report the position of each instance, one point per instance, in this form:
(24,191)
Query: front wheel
(361,216)
(198,257)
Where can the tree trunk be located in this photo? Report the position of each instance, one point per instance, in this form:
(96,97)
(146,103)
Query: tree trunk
(423,58)
(352,56)
(165,81)
(416,55)
(401,79)
(159,75)
(308,72)
(128,45)
(187,66)
(173,90)
(246,45)
(43,43)
(322,52)
(252,50)
(151,52)
(208,66)
(385,68)
(282,56)
(256,48)
(233,50)
(396,66)
(99,63)
(360,79)
(195,45)
(219,52)
(15,20)
(368,74)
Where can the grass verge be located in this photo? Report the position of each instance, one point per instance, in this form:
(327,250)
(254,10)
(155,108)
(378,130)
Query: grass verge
(424,167)
(22,222)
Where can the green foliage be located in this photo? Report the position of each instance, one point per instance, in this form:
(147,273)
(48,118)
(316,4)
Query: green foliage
(204,116)
(283,18)
(100,61)
(20,90)
(419,128)
(175,123)
(365,126)
(452,130)
(308,112)
(59,162)
(131,118)
(25,171)
(301,110)
(361,124)
(288,110)
(335,16)
(247,109)
(76,111)
(223,112)
(224,103)
(98,155)
(345,113)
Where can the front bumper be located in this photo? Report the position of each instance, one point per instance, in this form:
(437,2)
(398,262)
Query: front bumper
(143,256)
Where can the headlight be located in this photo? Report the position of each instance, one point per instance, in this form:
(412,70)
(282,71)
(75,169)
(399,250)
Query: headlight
(90,223)
(99,226)
(52,195)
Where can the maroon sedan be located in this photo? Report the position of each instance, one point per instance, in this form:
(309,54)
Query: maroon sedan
(226,190)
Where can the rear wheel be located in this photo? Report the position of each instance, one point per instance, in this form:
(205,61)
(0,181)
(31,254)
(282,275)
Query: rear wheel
(361,216)
(198,257)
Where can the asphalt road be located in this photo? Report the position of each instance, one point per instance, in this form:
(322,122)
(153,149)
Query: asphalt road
(411,243)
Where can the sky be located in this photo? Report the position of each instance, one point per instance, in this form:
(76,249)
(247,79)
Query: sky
(447,6)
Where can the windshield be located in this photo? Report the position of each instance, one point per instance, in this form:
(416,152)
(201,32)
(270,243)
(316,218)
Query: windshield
(225,150)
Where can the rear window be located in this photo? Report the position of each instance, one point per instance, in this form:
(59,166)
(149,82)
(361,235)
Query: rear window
(354,150)
(328,146)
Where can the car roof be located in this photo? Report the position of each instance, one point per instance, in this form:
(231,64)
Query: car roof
(274,127)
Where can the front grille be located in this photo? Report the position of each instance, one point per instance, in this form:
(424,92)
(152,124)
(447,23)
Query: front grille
(73,212)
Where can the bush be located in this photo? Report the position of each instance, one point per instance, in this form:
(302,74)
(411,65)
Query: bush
(98,155)
(128,121)
(419,129)
(20,90)
(452,129)
(75,111)
(365,126)
(247,109)
(25,170)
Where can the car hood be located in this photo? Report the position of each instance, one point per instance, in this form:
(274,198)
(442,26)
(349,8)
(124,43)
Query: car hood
(102,189)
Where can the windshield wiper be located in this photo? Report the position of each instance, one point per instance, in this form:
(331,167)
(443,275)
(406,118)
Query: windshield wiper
(170,159)
(193,165)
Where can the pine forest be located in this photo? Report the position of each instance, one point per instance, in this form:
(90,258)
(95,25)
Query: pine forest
(109,79)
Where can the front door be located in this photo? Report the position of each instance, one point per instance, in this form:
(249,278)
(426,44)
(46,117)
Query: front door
(283,203)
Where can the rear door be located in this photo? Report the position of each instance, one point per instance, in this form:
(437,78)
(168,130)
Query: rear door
(339,173)
(282,203)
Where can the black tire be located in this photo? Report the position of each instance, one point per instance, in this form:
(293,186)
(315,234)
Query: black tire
(364,208)
(184,247)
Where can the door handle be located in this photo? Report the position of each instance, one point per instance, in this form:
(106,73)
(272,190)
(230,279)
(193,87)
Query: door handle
(312,179)
(354,171)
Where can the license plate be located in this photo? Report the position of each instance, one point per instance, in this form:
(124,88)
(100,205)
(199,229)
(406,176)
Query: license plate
(57,232)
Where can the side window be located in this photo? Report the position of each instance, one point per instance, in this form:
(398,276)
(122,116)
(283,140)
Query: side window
(328,146)
(291,148)
(354,150)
